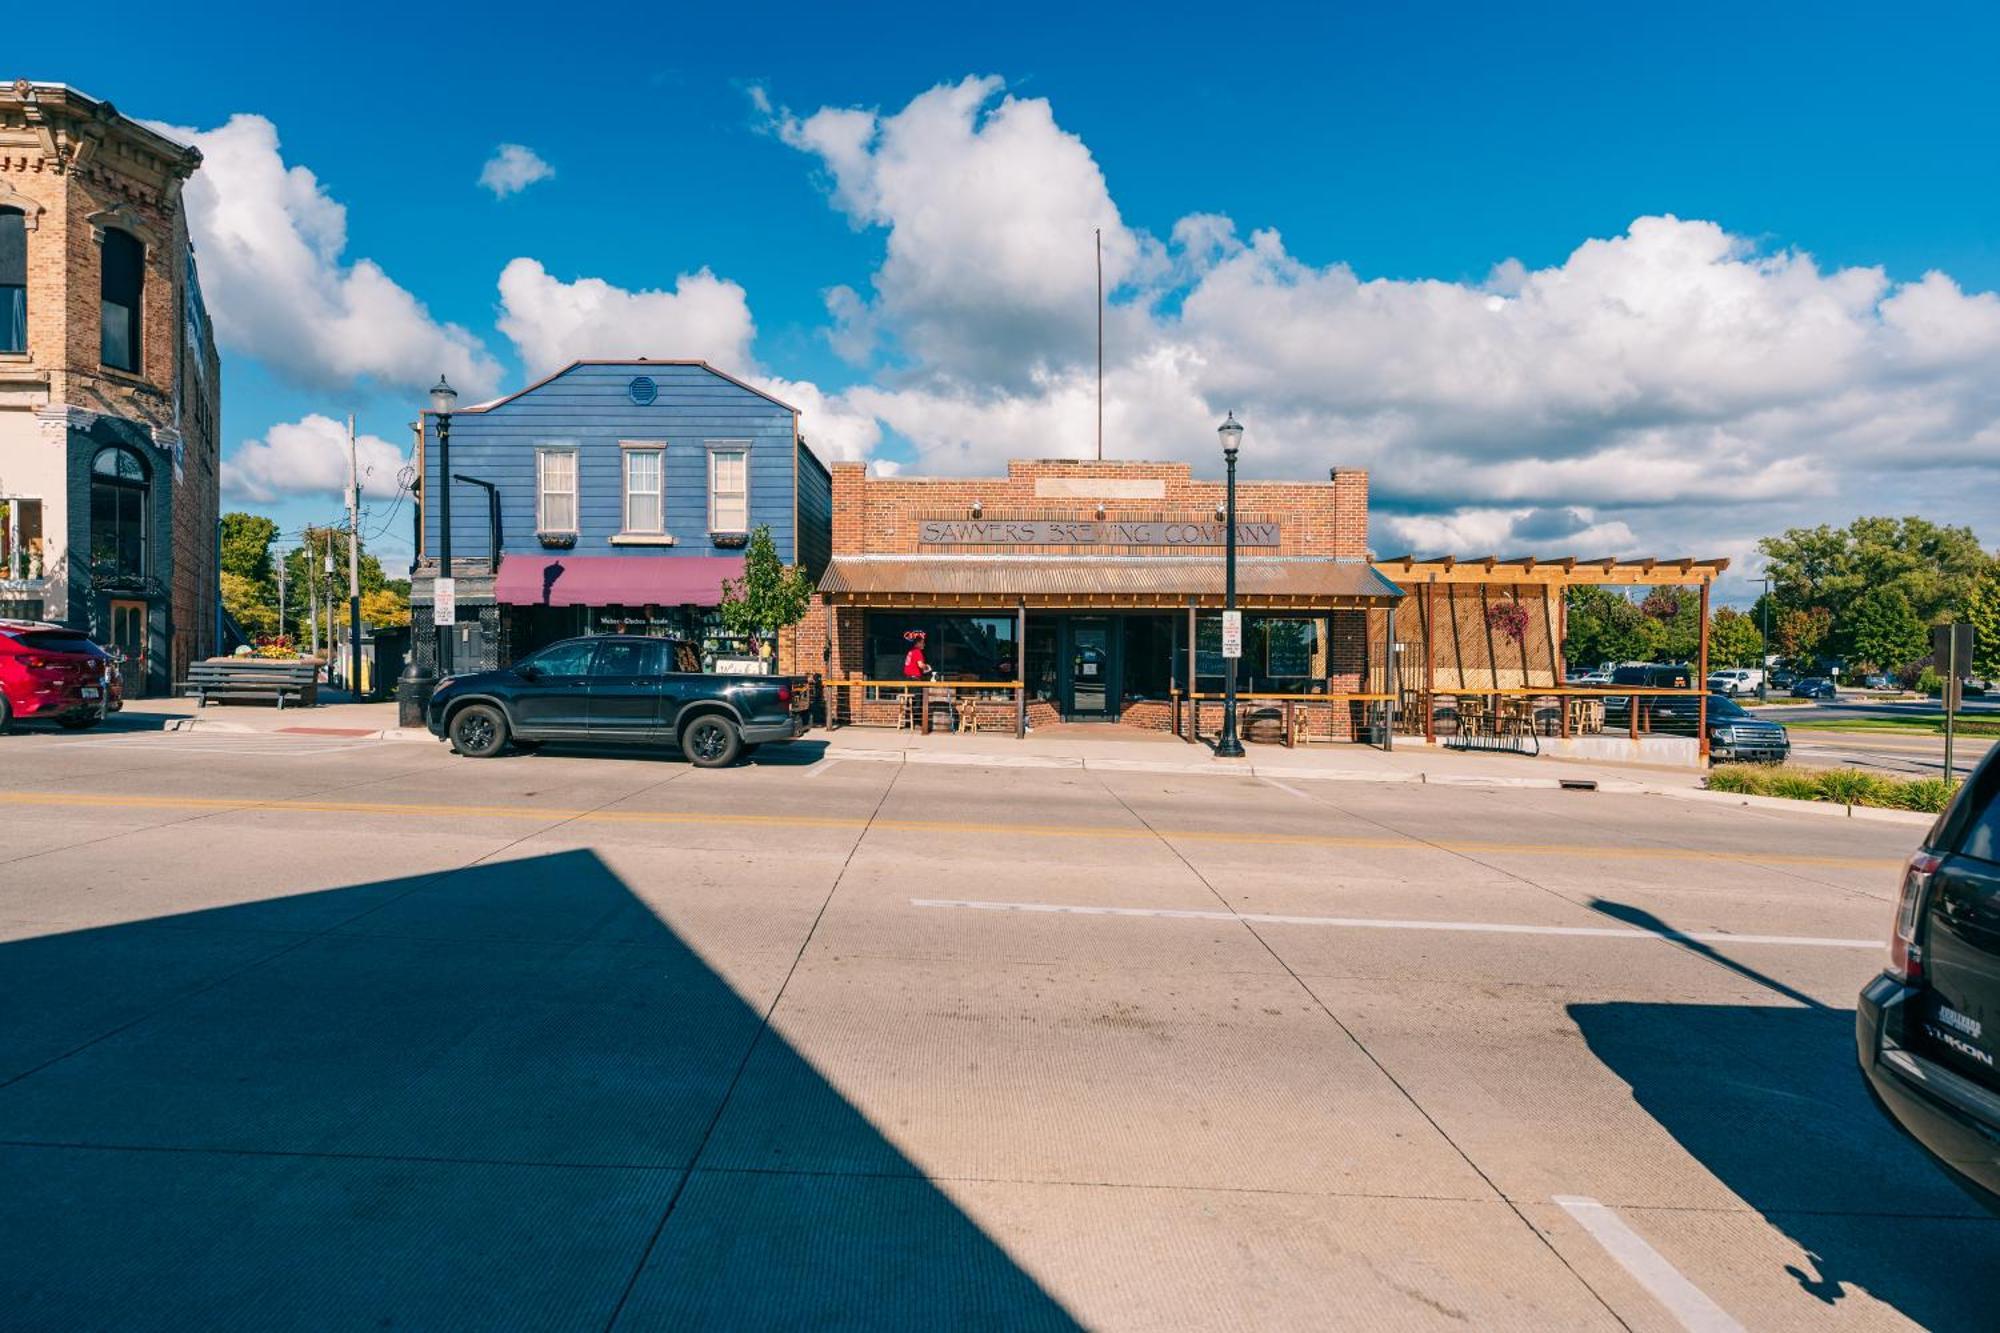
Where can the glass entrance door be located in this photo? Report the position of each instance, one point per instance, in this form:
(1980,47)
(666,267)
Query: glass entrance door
(1093,668)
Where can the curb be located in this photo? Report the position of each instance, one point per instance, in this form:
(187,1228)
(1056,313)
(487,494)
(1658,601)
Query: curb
(1786,805)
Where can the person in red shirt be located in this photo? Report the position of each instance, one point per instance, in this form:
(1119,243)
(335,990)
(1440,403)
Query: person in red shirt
(914,665)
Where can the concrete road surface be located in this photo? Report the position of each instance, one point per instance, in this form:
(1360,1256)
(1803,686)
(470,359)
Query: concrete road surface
(1900,755)
(312,1032)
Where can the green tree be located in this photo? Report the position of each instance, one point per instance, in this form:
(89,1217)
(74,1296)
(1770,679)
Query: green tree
(245,603)
(1884,631)
(1604,626)
(1733,639)
(768,597)
(1802,632)
(1983,612)
(307,577)
(246,546)
(1935,568)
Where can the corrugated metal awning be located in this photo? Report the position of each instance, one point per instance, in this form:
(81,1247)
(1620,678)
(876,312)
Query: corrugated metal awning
(1164,581)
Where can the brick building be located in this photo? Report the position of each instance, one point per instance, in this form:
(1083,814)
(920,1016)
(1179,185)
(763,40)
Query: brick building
(109,385)
(1098,588)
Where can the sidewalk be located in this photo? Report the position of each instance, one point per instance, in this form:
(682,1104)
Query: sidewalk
(1067,747)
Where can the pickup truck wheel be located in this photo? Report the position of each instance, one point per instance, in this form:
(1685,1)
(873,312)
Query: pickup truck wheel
(711,742)
(478,731)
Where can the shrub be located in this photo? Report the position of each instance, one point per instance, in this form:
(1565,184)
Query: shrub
(1794,785)
(1930,795)
(1843,786)
(1851,786)
(1929,681)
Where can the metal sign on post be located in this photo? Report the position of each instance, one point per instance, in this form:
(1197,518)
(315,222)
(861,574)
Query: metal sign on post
(444,602)
(1232,634)
(1951,649)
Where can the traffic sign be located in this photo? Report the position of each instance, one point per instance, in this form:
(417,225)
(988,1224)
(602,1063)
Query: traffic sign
(1232,634)
(444,602)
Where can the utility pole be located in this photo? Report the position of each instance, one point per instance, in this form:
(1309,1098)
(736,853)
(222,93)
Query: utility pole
(1099,231)
(283,633)
(353,564)
(1764,658)
(312,596)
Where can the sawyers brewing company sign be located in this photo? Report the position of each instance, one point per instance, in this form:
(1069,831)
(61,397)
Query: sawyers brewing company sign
(1062,532)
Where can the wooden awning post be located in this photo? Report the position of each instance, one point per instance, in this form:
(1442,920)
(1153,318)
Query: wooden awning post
(1430,660)
(1700,682)
(1194,687)
(1021,671)
(1392,678)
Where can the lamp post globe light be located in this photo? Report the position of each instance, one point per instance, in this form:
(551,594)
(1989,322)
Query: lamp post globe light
(1231,431)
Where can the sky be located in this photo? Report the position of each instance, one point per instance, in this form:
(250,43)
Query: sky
(1573,279)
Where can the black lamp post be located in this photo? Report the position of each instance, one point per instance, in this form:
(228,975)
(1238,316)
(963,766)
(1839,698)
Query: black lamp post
(414,686)
(442,397)
(1229,747)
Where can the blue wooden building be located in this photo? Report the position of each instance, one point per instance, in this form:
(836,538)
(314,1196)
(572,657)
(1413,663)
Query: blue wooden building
(612,496)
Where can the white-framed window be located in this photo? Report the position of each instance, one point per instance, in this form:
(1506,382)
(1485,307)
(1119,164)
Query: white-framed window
(20,538)
(729,488)
(555,490)
(645,489)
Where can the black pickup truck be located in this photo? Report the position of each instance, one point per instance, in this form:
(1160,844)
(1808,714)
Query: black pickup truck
(621,689)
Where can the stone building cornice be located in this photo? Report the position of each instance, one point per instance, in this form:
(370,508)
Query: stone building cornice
(70,129)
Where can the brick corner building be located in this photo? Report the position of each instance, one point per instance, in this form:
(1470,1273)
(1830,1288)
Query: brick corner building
(109,385)
(1092,591)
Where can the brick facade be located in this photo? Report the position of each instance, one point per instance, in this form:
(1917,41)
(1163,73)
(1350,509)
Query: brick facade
(75,169)
(884,516)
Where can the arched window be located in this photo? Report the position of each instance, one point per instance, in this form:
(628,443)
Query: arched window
(118,513)
(13,280)
(122,289)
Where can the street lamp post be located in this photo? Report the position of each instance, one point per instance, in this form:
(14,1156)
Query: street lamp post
(442,397)
(1229,746)
(1764,658)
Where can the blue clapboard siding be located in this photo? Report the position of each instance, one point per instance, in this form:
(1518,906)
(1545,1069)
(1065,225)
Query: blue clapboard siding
(589,408)
(815,513)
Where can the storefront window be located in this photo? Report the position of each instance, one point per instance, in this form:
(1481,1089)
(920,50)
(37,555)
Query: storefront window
(1281,654)
(20,539)
(958,647)
(1150,669)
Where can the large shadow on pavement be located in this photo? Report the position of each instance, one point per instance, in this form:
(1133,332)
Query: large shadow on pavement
(467,1100)
(1769,1099)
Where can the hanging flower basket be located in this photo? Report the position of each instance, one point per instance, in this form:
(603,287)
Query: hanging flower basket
(1510,619)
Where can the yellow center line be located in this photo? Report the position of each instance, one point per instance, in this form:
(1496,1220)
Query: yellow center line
(930,826)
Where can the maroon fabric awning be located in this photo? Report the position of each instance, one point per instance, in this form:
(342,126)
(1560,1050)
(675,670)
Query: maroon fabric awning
(614,580)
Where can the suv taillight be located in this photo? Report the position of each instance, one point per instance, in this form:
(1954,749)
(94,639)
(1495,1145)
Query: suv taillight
(1906,957)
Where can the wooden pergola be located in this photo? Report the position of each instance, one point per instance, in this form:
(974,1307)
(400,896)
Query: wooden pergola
(1446,610)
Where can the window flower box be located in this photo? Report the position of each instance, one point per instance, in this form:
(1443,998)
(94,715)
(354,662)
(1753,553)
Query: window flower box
(557,541)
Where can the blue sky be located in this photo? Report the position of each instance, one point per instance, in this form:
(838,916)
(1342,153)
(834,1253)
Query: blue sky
(1390,161)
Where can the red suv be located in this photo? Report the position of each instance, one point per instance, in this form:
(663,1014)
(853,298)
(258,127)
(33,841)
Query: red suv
(47,671)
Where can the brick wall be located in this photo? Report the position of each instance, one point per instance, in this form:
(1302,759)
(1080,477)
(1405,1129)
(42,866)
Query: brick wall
(880,515)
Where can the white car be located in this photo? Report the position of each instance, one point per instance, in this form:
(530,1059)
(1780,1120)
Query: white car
(1733,681)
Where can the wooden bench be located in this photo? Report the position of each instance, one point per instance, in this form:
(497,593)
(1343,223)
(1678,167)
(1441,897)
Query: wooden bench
(251,679)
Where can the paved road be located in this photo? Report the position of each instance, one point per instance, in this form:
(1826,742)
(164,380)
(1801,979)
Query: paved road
(1900,755)
(315,1032)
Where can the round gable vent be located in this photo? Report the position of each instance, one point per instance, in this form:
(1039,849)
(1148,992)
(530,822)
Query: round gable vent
(643,390)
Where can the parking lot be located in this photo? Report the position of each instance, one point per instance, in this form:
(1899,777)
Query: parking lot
(329,1031)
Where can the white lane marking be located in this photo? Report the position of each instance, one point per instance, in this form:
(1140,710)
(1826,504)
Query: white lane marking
(821,767)
(1683,1299)
(1289,791)
(1389,923)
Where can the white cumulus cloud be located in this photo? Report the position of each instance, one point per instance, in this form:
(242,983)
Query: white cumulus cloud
(309,457)
(271,243)
(512,169)
(553,322)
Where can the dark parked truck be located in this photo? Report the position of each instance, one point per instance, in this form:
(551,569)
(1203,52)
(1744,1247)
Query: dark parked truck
(619,689)
(1929,1027)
